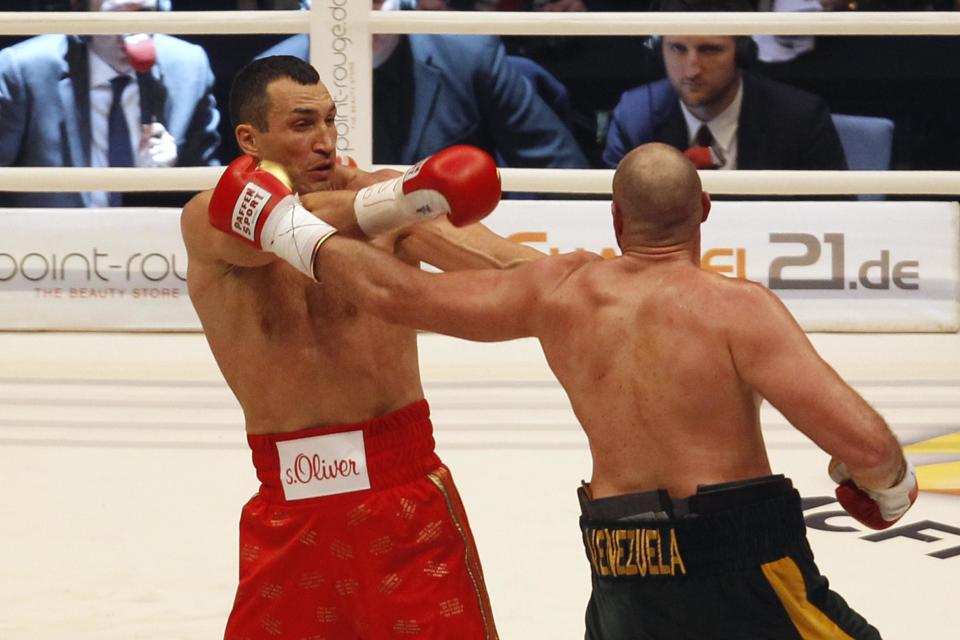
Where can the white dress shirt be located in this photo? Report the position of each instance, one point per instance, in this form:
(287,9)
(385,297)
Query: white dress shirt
(723,128)
(101,98)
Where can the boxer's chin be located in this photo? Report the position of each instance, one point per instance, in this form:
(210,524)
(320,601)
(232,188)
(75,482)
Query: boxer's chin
(313,181)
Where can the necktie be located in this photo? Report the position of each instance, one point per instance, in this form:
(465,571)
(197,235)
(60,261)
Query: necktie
(705,140)
(704,137)
(119,151)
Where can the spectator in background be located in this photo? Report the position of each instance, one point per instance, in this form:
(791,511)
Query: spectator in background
(591,68)
(775,48)
(433,91)
(708,103)
(105,100)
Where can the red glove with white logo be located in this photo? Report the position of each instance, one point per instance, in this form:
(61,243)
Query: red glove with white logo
(876,508)
(254,202)
(461,181)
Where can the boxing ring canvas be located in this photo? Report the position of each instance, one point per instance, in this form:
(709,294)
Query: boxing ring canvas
(125,466)
(123,455)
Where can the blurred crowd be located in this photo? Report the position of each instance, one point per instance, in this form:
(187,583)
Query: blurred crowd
(768,102)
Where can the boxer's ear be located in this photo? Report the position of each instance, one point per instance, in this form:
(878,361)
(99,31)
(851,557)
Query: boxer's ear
(617,222)
(247,139)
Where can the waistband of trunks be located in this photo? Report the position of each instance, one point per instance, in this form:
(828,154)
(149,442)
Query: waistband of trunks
(398,446)
(735,526)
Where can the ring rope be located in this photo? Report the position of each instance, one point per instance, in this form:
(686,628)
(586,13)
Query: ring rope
(591,181)
(596,181)
(906,23)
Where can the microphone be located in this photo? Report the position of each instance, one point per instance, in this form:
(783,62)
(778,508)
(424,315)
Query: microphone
(142,53)
(705,157)
(149,107)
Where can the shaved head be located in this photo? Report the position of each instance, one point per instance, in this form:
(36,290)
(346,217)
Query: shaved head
(658,194)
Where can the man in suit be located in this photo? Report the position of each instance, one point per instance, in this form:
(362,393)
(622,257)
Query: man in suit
(434,91)
(104,100)
(708,102)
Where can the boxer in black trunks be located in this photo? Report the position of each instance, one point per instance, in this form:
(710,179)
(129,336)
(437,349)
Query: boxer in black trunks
(688,533)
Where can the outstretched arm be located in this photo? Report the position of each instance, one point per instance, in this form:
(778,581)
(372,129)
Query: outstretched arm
(485,305)
(451,248)
(254,203)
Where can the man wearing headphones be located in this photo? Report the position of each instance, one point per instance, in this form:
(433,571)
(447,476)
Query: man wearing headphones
(721,115)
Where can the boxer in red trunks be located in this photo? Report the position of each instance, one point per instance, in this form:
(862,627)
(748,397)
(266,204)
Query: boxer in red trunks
(357,531)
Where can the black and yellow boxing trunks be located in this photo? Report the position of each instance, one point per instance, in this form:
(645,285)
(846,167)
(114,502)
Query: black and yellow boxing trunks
(731,561)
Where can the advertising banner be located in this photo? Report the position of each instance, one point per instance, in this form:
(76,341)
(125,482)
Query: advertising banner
(93,269)
(340,51)
(838,266)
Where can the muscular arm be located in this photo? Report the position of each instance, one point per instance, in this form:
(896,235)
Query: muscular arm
(438,242)
(485,305)
(335,207)
(451,248)
(205,242)
(774,356)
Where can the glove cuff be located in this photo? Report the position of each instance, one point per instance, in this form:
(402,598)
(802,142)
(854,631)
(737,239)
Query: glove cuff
(384,207)
(294,234)
(902,488)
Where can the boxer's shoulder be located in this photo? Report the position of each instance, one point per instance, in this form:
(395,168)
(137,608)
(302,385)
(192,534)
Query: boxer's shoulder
(193,219)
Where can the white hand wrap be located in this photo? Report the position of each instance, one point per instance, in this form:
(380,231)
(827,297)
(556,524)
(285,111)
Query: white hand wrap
(295,234)
(384,206)
(892,502)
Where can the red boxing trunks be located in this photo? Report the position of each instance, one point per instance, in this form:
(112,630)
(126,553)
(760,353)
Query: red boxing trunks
(357,533)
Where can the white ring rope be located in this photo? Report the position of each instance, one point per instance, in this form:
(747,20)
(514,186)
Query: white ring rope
(596,181)
(906,23)
(591,181)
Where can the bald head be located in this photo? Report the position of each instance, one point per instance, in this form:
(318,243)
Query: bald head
(658,194)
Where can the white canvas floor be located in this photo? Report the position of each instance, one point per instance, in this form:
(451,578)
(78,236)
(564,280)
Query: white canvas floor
(123,467)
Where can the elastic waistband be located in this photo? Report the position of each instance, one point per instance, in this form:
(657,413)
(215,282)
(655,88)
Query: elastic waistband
(660,505)
(728,527)
(398,447)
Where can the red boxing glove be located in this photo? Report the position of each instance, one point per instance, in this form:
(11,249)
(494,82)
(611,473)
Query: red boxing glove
(875,508)
(253,202)
(461,181)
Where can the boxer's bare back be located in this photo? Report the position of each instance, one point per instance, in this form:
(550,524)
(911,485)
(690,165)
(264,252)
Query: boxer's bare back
(665,363)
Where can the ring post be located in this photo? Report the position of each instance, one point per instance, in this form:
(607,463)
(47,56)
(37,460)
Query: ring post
(340,46)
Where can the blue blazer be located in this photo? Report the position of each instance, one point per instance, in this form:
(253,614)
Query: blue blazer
(45,108)
(780,127)
(466,92)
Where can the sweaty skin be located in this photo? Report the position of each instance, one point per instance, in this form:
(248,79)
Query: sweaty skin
(294,352)
(665,363)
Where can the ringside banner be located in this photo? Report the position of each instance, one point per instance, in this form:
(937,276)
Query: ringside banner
(839,266)
(92,269)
